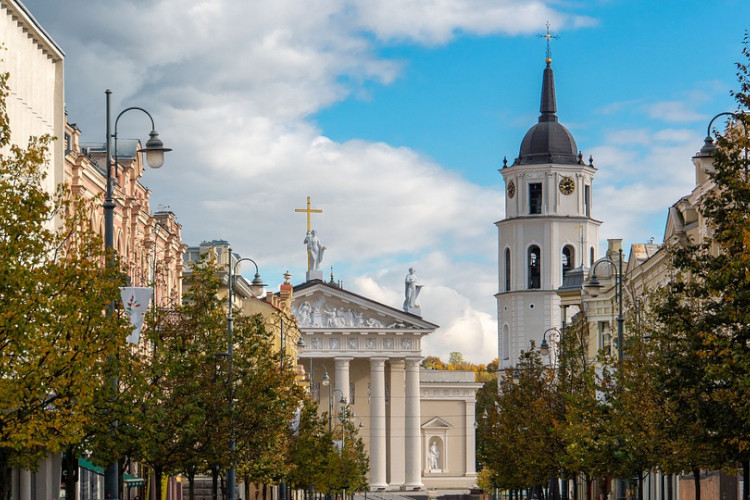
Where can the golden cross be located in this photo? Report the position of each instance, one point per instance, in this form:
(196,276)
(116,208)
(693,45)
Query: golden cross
(309,211)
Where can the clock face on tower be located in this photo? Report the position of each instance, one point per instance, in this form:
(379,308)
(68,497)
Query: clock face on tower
(511,189)
(567,185)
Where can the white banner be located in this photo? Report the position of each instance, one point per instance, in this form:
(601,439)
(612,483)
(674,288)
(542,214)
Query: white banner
(136,300)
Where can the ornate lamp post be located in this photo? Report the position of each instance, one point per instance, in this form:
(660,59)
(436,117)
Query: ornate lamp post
(154,151)
(256,287)
(706,152)
(594,287)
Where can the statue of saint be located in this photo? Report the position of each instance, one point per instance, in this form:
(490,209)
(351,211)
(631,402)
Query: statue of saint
(411,290)
(434,456)
(315,250)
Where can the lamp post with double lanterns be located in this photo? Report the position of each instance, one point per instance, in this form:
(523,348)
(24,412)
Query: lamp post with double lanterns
(256,287)
(154,151)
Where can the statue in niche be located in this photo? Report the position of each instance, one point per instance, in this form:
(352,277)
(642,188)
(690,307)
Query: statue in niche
(434,457)
(315,249)
(411,290)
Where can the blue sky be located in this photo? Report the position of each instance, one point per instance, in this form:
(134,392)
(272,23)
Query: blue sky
(394,115)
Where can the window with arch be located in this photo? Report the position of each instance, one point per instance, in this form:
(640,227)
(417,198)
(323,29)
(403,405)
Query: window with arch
(534,268)
(505,342)
(507,269)
(591,256)
(568,259)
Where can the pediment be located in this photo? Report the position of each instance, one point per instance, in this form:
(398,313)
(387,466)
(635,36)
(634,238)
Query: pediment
(436,423)
(324,306)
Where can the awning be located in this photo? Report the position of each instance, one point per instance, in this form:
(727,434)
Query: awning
(130,481)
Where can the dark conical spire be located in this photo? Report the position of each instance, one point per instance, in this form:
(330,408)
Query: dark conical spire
(548,107)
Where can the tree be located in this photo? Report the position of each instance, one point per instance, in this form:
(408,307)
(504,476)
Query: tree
(54,337)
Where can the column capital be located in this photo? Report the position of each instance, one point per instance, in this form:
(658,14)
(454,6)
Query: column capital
(343,358)
(379,362)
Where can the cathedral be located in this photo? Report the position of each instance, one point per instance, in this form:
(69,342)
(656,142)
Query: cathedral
(548,228)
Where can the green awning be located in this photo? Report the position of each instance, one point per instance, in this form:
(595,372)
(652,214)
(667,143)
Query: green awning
(82,462)
(130,481)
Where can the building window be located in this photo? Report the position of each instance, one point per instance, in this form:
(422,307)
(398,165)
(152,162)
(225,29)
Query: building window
(605,337)
(535,268)
(587,200)
(505,345)
(591,256)
(535,198)
(507,269)
(568,259)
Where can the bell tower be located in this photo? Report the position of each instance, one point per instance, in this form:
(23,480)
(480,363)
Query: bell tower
(548,227)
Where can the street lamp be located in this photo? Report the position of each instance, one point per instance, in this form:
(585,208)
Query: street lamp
(327,383)
(154,151)
(544,346)
(706,152)
(256,287)
(594,287)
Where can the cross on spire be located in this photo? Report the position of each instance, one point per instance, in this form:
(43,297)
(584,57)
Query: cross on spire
(548,36)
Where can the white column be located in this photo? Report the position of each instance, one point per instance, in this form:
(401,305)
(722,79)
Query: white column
(377,424)
(470,437)
(24,489)
(342,378)
(396,425)
(413,431)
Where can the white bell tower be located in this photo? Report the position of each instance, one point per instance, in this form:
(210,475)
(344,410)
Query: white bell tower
(548,228)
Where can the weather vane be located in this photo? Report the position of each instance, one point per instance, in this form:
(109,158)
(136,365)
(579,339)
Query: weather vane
(549,36)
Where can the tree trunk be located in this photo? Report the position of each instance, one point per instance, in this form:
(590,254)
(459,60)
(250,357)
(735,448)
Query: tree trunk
(70,467)
(669,486)
(697,483)
(247,488)
(575,488)
(157,482)
(746,479)
(4,476)
(640,486)
(191,483)
(215,482)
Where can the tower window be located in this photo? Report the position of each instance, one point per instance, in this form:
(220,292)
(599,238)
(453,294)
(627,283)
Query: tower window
(505,343)
(587,200)
(507,269)
(535,266)
(568,259)
(535,198)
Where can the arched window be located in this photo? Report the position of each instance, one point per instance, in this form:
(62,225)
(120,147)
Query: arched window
(534,268)
(507,269)
(591,256)
(505,343)
(568,259)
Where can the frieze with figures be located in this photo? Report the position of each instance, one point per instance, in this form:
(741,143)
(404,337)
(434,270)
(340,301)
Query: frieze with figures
(318,314)
(364,344)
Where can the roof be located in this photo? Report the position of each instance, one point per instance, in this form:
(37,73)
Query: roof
(548,141)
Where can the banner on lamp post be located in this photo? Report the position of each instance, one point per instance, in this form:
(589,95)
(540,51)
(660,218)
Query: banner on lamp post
(136,300)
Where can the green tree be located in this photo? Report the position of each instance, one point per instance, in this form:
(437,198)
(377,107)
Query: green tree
(54,339)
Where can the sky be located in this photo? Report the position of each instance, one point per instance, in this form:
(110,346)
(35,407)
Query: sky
(394,116)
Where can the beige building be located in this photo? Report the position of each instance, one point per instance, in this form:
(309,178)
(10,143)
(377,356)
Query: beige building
(417,425)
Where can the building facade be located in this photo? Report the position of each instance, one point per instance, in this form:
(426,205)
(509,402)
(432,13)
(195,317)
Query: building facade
(417,425)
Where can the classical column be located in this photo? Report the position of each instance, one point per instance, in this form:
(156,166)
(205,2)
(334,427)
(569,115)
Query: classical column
(413,450)
(24,488)
(377,424)
(470,419)
(342,378)
(396,425)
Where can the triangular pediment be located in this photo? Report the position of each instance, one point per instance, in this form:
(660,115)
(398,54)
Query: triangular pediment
(436,423)
(318,305)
